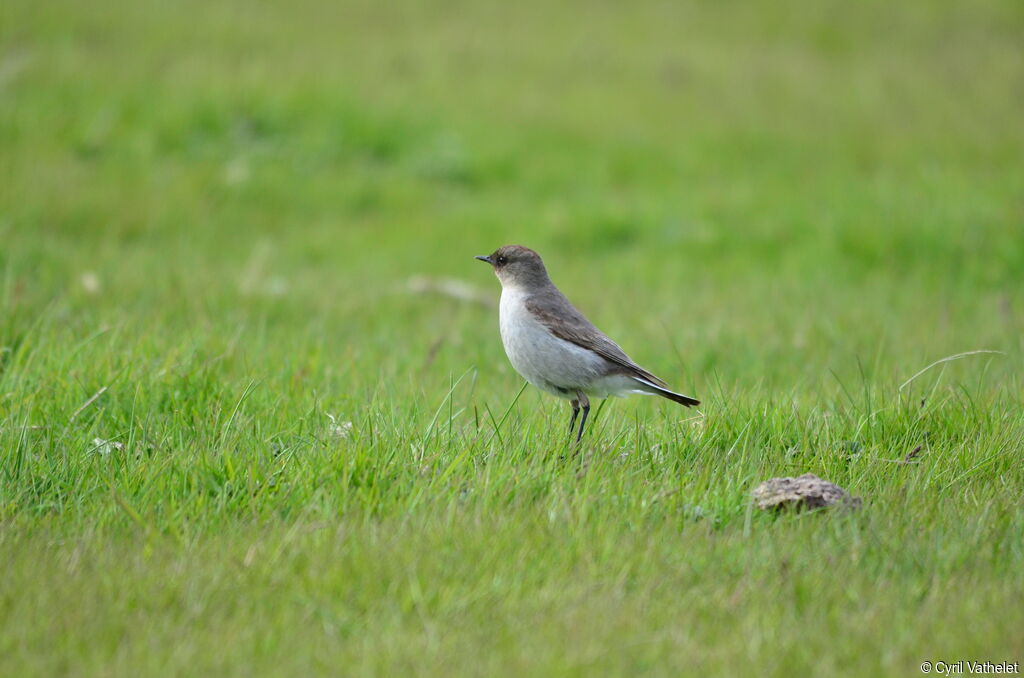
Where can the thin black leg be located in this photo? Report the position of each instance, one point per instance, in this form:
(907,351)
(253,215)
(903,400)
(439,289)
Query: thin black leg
(575,412)
(583,421)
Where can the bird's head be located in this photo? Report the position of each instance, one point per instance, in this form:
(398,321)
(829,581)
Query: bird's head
(517,266)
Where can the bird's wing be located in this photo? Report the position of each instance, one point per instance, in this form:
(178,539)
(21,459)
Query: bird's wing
(566,322)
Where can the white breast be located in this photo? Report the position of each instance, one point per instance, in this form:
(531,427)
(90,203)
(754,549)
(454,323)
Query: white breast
(549,363)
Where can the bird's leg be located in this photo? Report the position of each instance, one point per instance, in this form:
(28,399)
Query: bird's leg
(575,411)
(585,402)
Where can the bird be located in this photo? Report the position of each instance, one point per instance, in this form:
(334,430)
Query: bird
(553,345)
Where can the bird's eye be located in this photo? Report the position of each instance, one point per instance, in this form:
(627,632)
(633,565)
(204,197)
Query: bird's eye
(502,261)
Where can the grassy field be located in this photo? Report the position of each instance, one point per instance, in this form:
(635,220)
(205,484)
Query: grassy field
(247,428)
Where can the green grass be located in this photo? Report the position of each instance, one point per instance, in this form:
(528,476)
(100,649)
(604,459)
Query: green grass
(210,215)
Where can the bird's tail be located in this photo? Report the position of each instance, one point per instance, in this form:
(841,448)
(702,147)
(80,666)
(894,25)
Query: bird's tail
(665,393)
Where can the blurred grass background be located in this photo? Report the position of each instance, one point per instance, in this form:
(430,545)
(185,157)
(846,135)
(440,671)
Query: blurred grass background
(220,213)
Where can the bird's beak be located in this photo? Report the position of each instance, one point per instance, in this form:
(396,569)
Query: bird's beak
(483,257)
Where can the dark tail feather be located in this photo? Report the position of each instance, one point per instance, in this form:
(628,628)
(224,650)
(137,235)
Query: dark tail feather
(671,395)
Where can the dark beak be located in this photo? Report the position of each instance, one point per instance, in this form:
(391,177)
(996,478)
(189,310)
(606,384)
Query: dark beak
(483,257)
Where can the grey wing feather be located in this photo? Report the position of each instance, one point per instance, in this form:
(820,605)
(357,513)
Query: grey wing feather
(566,322)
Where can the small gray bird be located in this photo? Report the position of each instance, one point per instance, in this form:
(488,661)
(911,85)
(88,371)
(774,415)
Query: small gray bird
(554,347)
